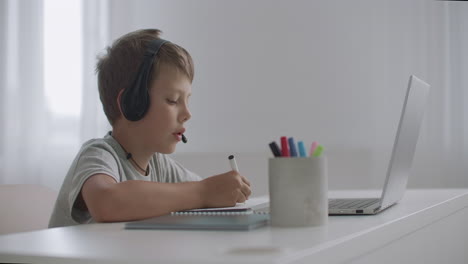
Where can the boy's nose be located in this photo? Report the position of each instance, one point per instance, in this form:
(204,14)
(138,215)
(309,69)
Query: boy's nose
(186,115)
(189,115)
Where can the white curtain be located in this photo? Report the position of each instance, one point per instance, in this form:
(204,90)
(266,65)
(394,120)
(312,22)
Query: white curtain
(446,148)
(457,121)
(95,39)
(23,109)
(38,143)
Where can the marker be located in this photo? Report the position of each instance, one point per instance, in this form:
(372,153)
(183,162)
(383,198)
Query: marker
(184,139)
(302,151)
(284,147)
(292,147)
(232,161)
(275,149)
(318,151)
(313,147)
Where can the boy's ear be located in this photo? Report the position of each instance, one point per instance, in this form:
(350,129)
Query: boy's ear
(119,96)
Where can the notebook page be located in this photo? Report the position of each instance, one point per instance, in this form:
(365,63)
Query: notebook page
(239,207)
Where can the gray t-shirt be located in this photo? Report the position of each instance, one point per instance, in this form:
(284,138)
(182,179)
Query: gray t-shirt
(106,156)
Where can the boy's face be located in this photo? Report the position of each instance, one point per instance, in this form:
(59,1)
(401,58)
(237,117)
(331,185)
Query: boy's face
(163,124)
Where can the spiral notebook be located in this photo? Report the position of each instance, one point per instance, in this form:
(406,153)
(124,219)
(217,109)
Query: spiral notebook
(238,209)
(242,216)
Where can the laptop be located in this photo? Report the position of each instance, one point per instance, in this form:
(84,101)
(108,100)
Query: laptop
(400,161)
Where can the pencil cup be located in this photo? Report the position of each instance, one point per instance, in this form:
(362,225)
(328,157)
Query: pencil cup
(298,191)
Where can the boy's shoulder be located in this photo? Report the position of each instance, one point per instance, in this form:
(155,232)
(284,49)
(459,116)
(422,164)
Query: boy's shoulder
(108,150)
(109,145)
(96,142)
(106,143)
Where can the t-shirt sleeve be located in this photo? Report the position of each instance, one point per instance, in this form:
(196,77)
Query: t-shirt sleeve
(92,161)
(173,171)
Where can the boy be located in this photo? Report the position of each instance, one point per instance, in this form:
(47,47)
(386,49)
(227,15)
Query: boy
(144,86)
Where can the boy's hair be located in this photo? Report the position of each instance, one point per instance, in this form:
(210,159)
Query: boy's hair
(117,69)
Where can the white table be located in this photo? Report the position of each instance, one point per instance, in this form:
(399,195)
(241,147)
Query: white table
(427,226)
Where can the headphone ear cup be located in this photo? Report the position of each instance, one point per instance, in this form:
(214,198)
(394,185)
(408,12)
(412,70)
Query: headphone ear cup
(135,100)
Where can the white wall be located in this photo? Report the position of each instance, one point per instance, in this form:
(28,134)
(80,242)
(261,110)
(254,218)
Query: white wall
(331,71)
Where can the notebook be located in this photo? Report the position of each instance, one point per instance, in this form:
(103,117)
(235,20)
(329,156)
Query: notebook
(242,216)
(202,222)
(238,209)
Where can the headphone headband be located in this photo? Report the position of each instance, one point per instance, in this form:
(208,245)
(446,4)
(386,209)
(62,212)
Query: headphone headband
(154,46)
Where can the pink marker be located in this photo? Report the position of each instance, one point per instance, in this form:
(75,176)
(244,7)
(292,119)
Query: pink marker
(313,147)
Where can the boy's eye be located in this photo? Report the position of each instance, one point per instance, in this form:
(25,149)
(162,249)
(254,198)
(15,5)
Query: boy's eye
(169,101)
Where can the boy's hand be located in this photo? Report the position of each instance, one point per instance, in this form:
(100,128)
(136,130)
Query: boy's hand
(225,189)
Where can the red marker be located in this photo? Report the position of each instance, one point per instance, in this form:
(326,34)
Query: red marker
(284,147)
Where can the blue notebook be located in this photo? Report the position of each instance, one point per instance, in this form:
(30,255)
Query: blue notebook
(203,222)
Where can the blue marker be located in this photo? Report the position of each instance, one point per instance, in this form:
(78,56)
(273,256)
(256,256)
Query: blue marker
(302,151)
(292,147)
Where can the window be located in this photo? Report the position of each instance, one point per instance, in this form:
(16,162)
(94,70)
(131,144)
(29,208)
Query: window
(63,51)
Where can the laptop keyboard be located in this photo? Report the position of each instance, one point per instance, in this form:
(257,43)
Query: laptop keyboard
(358,203)
(351,203)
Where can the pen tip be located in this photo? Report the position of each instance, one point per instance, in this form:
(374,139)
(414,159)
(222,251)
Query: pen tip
(231,157)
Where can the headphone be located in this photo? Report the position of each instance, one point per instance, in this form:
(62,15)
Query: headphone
(135,100)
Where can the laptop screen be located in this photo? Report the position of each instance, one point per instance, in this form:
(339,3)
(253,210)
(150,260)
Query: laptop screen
(405,141)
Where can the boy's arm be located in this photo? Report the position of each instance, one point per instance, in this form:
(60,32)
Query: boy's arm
(109,201)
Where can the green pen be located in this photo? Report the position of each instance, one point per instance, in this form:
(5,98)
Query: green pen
(318,151)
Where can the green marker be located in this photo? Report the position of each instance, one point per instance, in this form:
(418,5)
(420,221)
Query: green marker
(318,151)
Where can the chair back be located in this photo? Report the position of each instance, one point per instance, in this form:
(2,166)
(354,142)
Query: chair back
(25,207)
